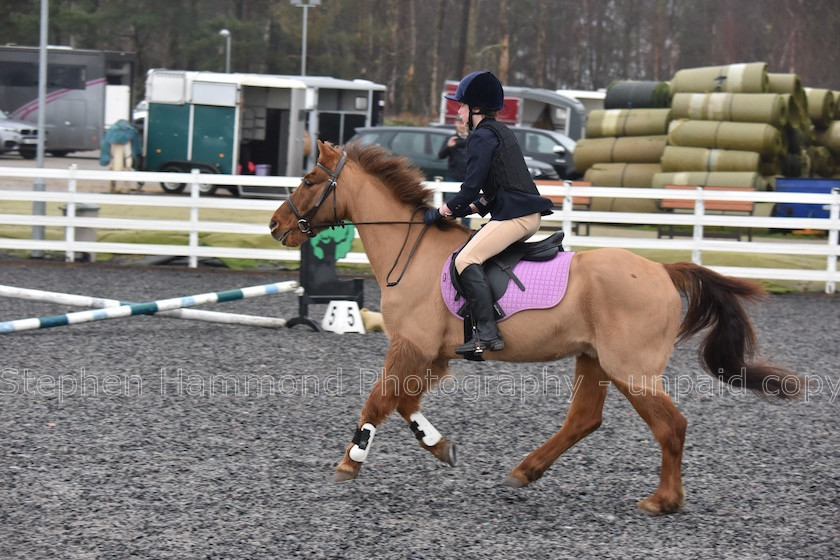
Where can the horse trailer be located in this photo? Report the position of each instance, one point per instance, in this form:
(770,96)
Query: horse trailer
(249,124)
(87,91)
(528,107)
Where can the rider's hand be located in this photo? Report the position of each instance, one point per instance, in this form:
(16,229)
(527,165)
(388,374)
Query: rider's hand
(432,215)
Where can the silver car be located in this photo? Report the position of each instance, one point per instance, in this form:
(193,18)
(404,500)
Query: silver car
(18,136)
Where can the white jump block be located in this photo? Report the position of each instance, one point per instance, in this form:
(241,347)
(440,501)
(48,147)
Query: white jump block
(343,317)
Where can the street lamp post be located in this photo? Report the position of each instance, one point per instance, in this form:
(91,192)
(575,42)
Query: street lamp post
(226,34)
(305,4)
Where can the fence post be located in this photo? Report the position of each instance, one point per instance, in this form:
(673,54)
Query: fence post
(568,206)
(699,211)
(70,212)
(194,196)
(437,198)
(834,215)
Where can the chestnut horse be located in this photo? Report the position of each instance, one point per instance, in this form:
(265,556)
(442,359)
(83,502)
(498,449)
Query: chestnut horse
(620,318)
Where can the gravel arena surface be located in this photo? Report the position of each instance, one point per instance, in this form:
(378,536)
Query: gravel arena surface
(159,438)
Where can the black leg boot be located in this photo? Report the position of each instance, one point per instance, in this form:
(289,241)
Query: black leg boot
(480,300)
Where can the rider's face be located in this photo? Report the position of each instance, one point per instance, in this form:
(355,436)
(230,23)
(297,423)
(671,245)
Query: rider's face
(464,113)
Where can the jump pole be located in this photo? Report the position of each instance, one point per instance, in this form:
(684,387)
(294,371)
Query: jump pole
(97,302)
(146,308)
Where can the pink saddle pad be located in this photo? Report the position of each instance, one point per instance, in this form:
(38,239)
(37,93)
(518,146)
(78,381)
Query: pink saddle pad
(545,285)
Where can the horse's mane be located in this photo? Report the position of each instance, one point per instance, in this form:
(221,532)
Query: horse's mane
(397,172)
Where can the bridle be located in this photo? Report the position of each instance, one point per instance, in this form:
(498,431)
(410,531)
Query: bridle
(303,221)
(306,227)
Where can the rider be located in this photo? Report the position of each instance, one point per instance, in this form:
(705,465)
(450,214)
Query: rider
(498,182)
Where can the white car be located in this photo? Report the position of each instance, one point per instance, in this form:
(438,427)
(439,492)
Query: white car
(18,136)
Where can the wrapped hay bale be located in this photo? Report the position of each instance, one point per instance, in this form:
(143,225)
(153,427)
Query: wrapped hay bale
(795,113)
(733,78)
(769,108)
(820,106)
(625,149)
(787,83)
(829,137)
(677,158)
(751,137)
(783,83)
(633,94)
(710,179)
(627,122)
(622,175)
(822,164)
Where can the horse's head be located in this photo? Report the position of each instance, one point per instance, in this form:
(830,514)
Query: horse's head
(313,205)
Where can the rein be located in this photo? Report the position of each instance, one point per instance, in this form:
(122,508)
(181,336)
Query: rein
(390,284)
(306,226)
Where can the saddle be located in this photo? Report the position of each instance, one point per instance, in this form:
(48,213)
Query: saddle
(500,269)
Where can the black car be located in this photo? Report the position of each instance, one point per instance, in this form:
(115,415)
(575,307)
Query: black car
(547,146)
(422,144)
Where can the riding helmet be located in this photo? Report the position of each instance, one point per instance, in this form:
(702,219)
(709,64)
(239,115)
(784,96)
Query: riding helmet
(480,89)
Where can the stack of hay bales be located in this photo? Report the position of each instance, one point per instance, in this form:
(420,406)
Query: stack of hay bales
(736,125)
(625,141)
(726,128)
(824,154)
(797,129)
(791,129)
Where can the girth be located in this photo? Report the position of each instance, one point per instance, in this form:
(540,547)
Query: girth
(499,269)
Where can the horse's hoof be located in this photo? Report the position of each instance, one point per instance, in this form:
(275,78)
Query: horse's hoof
(514,482)
(444,450)
(648,507)
(447,453)
(652,506)
(344,476)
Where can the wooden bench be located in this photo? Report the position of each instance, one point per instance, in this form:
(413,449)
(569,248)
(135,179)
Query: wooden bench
(740,207)
(578,202)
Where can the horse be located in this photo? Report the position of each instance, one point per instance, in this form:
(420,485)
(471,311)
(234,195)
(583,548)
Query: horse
(620,318)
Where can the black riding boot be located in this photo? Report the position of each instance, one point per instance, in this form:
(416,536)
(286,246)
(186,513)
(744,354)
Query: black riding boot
(477,291)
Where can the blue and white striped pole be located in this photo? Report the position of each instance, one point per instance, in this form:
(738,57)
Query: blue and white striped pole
(97,302)
(146,308)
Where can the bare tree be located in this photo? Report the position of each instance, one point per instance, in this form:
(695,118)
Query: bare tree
(413,46)
(463,37)
(437,32)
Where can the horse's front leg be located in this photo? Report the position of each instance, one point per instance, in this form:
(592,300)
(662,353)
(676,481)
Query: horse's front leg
(427,435)
(408,374)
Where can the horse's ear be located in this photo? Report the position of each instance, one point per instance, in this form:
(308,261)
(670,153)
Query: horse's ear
(327,147)
(329,152)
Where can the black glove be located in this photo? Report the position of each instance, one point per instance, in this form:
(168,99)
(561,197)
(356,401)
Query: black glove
(480,207)
(431,216)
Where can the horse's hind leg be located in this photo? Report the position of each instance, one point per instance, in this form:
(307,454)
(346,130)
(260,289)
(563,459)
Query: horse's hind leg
(584,417)
(668,426)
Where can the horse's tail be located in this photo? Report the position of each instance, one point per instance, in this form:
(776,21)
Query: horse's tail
(730,349)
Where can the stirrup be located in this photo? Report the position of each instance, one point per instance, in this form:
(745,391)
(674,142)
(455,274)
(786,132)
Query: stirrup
(478,347)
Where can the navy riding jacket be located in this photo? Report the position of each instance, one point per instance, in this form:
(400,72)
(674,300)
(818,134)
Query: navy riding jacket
(502,201)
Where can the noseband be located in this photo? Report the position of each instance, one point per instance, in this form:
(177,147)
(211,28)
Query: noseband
(303,221)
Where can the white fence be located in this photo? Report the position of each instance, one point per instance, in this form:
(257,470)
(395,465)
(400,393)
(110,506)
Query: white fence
(564,217)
